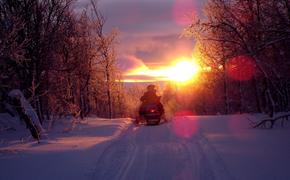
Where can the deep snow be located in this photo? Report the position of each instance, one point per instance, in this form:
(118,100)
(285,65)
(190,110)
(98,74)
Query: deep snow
(196,147)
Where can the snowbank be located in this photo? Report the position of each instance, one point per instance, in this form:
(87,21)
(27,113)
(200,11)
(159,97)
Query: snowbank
(62,155)
(248,153)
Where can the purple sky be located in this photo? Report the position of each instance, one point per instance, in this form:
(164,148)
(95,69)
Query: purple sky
(150,30)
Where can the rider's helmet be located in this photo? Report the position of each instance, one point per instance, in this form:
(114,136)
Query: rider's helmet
(151,87)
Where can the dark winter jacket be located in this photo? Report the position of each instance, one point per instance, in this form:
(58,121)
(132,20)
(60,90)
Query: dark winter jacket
(150,97)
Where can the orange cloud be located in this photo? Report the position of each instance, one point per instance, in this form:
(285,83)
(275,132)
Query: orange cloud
(130,64)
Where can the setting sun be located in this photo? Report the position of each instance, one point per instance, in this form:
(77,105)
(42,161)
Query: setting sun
(183,71)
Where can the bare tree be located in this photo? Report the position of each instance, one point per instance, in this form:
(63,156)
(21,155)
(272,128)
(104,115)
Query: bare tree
(62,60)
(106,53)
(255,28)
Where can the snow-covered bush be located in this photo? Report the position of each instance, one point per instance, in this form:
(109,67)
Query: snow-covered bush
(28,110)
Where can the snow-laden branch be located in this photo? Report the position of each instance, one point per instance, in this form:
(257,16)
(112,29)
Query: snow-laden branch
(269,123)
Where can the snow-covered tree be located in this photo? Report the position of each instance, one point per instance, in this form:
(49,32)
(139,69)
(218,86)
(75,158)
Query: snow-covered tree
(257,29)
(63,61)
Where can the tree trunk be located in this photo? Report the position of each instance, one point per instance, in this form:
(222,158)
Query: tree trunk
(258,103)
(226,97)
(108,78)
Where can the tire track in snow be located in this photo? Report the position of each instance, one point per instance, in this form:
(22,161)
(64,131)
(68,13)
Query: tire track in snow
(216,163)
(113,162)
(202,170)
(158,156)
(162,155)
(137,167)
(157,153)
(167,161)
(128,165)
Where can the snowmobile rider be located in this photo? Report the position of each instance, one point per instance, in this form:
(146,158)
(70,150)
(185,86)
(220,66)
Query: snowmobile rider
(150,97)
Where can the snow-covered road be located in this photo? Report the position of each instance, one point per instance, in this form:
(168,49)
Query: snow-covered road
(158,152)
(192,147)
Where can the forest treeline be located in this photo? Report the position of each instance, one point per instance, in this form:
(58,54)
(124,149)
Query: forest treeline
(244,47)
(247,46)
(65,63)
(61,60)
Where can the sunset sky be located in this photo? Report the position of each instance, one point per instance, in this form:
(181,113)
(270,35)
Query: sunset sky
(150,33)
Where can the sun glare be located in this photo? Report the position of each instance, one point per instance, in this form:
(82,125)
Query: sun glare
(183,71)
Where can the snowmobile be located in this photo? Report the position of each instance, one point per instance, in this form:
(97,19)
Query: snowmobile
(152,114)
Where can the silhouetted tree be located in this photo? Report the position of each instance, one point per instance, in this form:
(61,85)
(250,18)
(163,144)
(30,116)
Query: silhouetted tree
(257,29)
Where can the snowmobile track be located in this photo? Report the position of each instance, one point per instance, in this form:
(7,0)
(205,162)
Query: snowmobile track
(155,152)
(216,163)
(108,167)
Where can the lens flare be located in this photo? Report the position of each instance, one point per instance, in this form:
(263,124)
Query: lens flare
(241,68)
(184,127)
(237,125)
